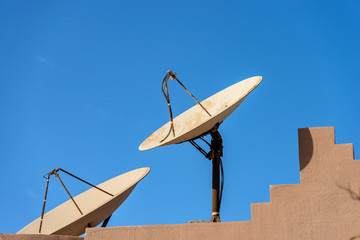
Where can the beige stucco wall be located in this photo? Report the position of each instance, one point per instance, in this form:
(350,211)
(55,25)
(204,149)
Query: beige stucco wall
(325,205)
(37,237)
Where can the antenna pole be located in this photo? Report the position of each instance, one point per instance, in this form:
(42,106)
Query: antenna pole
(215,214)
(215,154)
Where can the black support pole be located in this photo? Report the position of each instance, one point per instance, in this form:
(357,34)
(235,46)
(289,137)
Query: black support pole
(215,211)
(216,154)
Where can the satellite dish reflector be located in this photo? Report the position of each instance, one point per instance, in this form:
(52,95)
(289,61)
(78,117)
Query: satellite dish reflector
(95,205)
(196,122)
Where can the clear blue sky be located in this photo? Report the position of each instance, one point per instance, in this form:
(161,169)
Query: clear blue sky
(80,89)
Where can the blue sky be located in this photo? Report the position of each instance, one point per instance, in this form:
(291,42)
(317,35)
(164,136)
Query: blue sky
(80,89)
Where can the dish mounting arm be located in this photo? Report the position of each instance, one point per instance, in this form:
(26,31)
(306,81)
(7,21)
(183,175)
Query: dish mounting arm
(55,172)
(165,90)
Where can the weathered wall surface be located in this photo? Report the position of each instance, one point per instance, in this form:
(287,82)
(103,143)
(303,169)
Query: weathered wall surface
(325,205)
(37,237)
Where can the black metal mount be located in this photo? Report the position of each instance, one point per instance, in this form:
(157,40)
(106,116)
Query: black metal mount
(215,154)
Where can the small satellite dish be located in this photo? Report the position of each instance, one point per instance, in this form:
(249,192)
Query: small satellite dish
(95,205)
(195,121)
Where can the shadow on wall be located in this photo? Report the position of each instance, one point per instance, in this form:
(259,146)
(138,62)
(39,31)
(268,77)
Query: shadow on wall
(354,196)
(306,147)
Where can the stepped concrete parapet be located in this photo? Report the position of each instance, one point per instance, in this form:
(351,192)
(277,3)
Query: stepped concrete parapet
(325,205)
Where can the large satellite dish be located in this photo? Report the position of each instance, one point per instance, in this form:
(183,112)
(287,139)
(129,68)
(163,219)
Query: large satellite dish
(195,121)
(202,119)
(94,204)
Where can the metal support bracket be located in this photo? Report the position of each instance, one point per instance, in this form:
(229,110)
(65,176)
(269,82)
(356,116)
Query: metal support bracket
(215,154)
